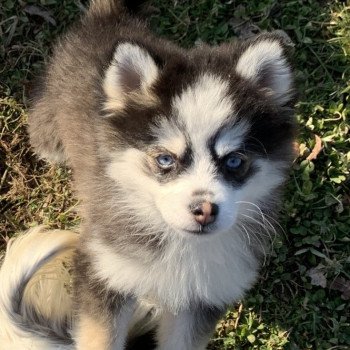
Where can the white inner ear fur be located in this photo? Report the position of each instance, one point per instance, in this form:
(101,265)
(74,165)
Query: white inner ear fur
(264,64)
(130,75)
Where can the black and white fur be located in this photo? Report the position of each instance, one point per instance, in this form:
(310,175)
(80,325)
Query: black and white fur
(113,99)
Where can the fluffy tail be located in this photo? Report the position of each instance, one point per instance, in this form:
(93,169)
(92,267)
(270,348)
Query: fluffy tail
(35,305)
(103,7)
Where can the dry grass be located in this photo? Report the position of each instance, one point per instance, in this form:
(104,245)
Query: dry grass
(31,191)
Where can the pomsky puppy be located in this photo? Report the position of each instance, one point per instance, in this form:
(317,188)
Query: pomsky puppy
(178,159)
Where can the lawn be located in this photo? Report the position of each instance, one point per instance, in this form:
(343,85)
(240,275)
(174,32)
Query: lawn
(302,299)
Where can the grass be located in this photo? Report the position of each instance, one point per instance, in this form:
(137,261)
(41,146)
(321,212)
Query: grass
(302,299)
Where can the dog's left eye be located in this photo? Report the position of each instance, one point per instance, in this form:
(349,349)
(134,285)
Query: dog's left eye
(165,161)
(233,162)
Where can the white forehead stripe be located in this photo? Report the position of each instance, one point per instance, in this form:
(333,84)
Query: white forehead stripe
(203,107)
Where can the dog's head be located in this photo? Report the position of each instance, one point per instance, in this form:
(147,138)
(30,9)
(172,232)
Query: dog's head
(202,141)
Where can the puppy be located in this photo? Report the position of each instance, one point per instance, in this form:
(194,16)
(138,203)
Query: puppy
(178,159)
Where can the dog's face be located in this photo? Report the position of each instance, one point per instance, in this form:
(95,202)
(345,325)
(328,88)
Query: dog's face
(199,149)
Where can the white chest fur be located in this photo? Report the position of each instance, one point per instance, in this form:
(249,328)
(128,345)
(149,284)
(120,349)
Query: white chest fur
(215,270)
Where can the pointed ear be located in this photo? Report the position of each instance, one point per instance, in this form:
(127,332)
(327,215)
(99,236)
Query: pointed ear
(130,75)
(264,63)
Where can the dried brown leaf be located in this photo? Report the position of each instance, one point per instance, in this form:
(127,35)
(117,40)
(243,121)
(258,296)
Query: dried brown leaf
(316,150)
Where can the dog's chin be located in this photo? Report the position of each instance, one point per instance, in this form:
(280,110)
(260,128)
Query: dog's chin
(199,231)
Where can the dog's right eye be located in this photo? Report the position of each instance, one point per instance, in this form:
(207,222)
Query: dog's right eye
(165,161)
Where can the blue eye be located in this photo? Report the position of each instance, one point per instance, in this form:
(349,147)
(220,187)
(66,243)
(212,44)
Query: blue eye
(165,161)
(233,162)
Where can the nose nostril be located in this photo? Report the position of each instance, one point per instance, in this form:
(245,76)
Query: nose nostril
(204,212)
(214,209)
(197,211)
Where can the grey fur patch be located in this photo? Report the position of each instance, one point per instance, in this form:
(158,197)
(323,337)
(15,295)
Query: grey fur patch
(205,318)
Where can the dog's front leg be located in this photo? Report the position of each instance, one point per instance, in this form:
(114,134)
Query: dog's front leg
(104,326)
(188,330)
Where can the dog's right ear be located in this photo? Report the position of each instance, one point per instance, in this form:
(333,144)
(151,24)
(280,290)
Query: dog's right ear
(130,75)
(264,63)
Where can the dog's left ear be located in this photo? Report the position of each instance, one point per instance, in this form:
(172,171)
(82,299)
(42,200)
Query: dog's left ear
(130,77)
(264,63)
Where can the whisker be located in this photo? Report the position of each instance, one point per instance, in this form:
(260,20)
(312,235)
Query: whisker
(248,236)
(265,221)
(260,243)
(264,214)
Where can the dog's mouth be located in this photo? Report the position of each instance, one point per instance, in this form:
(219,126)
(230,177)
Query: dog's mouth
(202,230)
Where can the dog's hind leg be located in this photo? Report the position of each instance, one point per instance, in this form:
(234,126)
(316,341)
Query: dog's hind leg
(92,333)
(105,331)
(104,315)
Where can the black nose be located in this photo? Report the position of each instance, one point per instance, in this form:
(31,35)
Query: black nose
(204,212)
